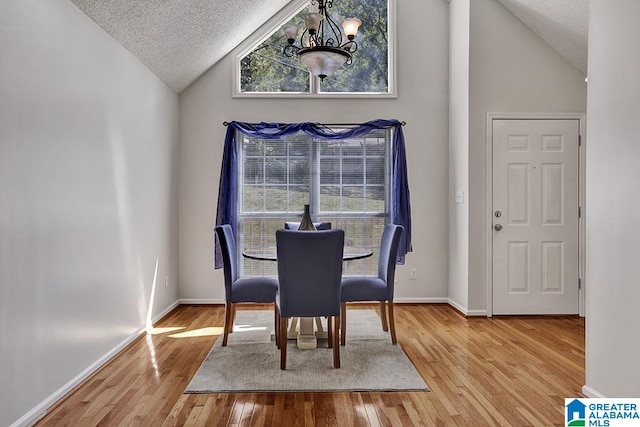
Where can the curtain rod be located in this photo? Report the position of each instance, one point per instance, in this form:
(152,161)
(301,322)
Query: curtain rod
(403,123)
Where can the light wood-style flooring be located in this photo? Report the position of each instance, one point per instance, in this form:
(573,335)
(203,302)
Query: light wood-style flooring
(501,371)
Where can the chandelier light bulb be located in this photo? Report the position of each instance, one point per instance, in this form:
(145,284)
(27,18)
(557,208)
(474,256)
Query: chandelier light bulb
(291,32)
(350,27)
(312,21)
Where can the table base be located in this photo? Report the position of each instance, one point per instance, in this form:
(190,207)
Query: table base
(307,334)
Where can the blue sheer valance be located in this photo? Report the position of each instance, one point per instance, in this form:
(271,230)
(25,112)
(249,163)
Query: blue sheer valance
(227,212)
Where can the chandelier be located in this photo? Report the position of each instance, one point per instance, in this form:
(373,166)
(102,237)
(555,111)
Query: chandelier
(323,46)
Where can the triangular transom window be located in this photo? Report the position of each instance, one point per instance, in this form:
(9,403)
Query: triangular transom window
(262,69)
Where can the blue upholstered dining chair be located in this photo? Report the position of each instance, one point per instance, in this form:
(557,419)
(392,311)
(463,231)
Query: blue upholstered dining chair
(309,275)
(377,288)
(319,225)
(251,289)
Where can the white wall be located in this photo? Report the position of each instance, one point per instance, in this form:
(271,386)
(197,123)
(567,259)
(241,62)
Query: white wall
(422,103)
(459,15)
(88,205)
(613,230)
(510,70)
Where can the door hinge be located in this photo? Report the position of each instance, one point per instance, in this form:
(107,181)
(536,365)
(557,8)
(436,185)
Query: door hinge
(579,283)
(579,212)
(579,140)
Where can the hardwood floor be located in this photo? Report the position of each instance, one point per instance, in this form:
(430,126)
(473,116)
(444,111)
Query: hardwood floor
(482,371)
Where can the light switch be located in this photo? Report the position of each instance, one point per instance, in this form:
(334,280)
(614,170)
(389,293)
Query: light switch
(459,196)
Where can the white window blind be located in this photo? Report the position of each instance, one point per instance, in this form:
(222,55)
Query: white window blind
(345,182)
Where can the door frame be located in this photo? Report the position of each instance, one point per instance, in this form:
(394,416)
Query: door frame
(581,117)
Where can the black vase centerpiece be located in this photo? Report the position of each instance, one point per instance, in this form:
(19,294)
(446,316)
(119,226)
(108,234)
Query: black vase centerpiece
(306,224)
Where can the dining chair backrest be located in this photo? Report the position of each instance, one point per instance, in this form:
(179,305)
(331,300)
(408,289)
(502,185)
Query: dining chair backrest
(318,225)
(388,253)
(229,255)
(309,272)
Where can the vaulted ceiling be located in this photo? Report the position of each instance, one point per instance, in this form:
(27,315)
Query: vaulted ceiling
(181,39)
(563,24)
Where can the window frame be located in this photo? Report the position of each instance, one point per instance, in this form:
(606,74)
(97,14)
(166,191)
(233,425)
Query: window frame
(315,183)
(284,15)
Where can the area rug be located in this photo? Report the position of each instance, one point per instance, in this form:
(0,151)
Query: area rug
(251,361)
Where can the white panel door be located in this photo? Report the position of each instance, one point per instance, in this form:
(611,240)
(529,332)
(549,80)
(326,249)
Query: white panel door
(535,216)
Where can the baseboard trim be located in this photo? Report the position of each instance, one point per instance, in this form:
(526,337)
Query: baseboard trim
(201,301)
(589,392)
(419,300)
(458,307)
(208,301)
(40,410)
(464,311)
(476,313)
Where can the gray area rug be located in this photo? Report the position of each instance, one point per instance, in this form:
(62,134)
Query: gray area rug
(251,361)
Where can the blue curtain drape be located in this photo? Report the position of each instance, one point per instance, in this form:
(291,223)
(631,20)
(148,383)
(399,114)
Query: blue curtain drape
(228,188)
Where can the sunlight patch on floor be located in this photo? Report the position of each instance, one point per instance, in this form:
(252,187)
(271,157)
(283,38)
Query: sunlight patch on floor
(158,331)
(202,332)
(248,328)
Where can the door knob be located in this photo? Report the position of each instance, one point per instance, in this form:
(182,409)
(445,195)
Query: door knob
(497,227)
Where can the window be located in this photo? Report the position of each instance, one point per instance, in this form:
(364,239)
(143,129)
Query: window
(262,70)
(345,182)
(279,171)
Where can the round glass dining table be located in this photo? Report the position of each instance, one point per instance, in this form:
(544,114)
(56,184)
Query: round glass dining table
(350,253)
(306,336)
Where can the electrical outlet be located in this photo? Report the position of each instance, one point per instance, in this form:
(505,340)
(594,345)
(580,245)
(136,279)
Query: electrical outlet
(166,282)
(413,274)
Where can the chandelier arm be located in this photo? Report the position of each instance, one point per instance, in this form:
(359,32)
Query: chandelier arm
(290,50)
(353,45)
(315,39)
(335,29)
(302,37)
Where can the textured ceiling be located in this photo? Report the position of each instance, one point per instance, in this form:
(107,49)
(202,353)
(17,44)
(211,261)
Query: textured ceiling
(563,24)
(181,39)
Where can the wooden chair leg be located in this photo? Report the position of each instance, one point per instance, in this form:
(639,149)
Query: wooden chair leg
(283,343)
(383,316)
(233,316)
(228,322)
(392,323)
(343,323)
(336,345)
(329,333)
(276,325)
